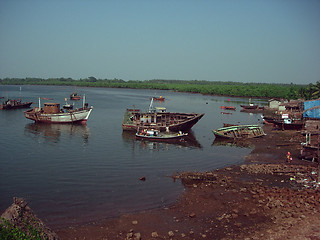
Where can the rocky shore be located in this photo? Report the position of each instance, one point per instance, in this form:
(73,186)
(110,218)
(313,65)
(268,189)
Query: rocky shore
(265,198)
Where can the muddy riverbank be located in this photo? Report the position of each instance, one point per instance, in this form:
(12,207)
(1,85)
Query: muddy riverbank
(265,198)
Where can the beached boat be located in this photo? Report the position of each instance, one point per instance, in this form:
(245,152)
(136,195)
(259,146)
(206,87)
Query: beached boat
(228,107)
(310,149)
(287,123)
(75,96)
(14,104)
(239,131)
(156,135)
(158,118)
(52,113)
(309,152)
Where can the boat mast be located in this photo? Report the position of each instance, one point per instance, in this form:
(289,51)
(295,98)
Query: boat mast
(39,104)
(151,103)
(84,100)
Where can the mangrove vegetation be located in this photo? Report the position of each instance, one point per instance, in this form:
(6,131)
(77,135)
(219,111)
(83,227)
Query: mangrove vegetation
(233,89)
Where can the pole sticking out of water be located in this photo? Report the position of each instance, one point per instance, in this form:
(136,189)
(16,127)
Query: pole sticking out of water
(84,100)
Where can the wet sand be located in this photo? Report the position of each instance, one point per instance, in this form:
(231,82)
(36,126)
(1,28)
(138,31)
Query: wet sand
(265,198)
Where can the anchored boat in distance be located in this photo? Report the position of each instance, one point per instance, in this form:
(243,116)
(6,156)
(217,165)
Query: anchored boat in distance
(52,113)
(14,104)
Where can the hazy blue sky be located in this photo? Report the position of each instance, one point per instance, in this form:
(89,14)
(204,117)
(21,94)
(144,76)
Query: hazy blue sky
(219,40)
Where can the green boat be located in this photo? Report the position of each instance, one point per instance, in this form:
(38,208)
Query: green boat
(239,131)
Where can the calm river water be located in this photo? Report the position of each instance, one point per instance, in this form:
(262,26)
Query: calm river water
(75,174)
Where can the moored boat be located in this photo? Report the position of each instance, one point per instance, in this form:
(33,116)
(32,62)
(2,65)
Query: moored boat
(156,135)
(287,123)
(159,98)
(158,118)
(239,131)
(228,107)
(250,107)
(52,113)
(75,96)
(14,104)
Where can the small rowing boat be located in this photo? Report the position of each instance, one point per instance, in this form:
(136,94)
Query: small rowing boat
(239,131)
(156,135)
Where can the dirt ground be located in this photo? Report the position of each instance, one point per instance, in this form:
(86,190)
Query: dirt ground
(265,198)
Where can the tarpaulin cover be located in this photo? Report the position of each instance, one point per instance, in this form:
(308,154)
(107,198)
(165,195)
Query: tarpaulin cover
(314,113)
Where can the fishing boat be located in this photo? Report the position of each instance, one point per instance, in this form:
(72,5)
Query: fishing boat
(228,107)
(287,123)
(239,131)
(75,96)
(310,149)
(156,135)
(309,152)
(250,107)
(14,104)
(67,105)
(158,118)
(161,99)
(52,113)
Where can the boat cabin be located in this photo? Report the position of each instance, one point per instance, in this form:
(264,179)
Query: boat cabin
(51,108)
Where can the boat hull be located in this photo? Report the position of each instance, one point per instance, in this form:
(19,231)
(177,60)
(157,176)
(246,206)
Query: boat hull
(161,138)
(239,132)
(287,126)
(79,116)
(309,152)
(17,106)
(163,121)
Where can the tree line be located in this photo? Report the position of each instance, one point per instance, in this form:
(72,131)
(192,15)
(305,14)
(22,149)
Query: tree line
(234,89)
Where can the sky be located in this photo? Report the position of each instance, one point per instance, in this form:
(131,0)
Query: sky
(261,41)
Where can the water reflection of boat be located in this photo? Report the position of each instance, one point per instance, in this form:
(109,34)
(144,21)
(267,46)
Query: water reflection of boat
(54,131)
(188,141)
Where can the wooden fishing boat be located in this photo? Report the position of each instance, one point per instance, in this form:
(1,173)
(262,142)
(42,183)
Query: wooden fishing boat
(51,113)
(161,99)
(156,135)
(75,96)
(14,104)
(158,118)
(239,131)
(250,107)
(309,152)
(228,107)
(287,123)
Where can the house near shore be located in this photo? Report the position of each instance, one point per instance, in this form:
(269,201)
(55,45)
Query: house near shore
(274,104)
(293,106)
